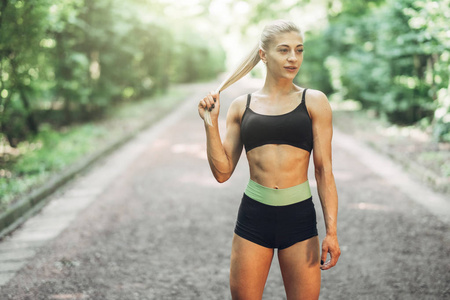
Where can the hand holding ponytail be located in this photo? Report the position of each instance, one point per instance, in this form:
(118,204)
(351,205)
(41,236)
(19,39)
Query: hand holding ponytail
(243,69)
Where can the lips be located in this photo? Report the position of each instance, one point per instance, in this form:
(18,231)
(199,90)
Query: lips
(291,68)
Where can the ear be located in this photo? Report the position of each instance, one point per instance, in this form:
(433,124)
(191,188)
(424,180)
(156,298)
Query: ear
(262,55)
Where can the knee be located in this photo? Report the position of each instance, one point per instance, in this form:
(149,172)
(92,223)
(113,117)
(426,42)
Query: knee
(235,288)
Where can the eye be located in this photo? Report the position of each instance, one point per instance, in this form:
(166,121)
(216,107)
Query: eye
(300,50)
(283,50)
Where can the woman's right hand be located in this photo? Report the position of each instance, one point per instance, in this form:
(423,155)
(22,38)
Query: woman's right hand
(211,102)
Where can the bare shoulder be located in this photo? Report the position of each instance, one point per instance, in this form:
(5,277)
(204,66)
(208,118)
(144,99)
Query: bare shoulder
(237,107)
(317,102)
(239,102)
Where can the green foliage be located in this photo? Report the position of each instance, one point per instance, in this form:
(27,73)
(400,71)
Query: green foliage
(200,58)
(57,149)
(392,56)
(22,26)
(313,72)
(66,62)
(71,59)
(439,158)
(51,151)
(44,154)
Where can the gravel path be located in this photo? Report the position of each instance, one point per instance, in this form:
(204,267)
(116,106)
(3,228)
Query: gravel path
(162,227)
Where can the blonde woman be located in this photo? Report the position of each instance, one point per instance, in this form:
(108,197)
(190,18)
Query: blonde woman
(279,126)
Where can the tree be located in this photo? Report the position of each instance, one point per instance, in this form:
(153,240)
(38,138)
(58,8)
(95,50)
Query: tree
(68,61)
(22,26)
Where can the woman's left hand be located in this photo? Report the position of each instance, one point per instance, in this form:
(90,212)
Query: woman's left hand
(330,245)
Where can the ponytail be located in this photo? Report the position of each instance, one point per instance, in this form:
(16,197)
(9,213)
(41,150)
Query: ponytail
(243,69)
(269,33)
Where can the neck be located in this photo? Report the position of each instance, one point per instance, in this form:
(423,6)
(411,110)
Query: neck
(278,86)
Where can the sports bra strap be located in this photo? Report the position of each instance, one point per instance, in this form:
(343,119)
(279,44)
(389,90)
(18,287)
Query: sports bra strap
(303,98)
(249,96)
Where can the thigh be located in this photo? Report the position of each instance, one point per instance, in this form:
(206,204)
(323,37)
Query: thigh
(300,268)
(250,264)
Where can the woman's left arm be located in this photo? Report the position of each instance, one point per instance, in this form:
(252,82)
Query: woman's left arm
(321,116)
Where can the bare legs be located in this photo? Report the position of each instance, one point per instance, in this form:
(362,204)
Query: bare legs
(250,264)
(300,267)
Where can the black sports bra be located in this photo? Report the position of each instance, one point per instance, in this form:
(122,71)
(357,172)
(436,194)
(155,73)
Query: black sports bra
(293,128)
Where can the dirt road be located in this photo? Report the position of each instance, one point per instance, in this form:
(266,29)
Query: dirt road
(151,223)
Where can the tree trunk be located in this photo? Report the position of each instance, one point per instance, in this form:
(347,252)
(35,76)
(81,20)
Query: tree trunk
(30,120)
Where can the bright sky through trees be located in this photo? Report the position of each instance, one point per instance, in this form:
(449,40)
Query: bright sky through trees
(237,24)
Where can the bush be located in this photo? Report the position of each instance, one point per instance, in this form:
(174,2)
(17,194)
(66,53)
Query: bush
(393,57)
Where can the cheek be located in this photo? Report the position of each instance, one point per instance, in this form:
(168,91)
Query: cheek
(275,62)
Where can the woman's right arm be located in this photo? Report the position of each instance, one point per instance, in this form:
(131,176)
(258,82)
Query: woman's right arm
(222,157)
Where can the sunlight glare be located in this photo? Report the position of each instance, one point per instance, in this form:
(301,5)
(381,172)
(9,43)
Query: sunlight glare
(218,7)
(370,206)
(242,7)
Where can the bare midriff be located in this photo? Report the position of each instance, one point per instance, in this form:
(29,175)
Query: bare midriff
(278,166)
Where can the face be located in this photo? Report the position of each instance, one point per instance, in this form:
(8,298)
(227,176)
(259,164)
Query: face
(284,56)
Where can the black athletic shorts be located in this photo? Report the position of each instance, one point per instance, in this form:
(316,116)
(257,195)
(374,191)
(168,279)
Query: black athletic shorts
(276,226)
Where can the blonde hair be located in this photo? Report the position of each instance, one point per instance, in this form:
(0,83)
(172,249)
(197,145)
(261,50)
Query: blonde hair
(268,34)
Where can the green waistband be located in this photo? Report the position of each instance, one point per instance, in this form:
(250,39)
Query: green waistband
(278,197)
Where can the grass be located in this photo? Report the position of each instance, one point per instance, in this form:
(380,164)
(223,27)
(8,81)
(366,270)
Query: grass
(34,161)
(409,145)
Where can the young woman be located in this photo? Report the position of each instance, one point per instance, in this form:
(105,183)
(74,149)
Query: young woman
(279,126)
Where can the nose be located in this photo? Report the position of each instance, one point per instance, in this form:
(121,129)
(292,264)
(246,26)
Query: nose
(292,57)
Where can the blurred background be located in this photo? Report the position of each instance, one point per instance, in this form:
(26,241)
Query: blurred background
(69,68)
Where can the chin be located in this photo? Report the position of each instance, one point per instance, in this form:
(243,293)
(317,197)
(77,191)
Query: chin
(290,76)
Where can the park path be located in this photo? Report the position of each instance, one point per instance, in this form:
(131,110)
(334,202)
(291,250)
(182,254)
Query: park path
(150,222)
